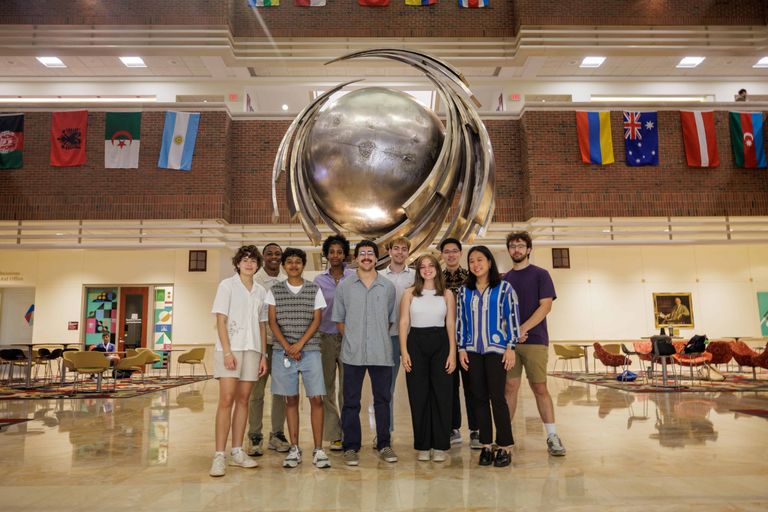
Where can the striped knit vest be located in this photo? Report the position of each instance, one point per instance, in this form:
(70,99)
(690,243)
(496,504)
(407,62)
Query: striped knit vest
(295,312)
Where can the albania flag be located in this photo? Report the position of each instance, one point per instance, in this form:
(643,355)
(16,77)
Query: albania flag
(68,138)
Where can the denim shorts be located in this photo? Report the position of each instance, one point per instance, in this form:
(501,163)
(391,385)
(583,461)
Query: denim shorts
(285,381)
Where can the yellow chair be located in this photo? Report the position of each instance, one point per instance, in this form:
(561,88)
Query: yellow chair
(567,354)
(136,363)
(88,363)
(193,357)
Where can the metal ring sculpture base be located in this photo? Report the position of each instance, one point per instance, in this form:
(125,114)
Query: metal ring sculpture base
(379,165)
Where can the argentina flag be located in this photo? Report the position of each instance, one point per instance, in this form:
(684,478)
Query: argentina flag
(641,138)
(179,136)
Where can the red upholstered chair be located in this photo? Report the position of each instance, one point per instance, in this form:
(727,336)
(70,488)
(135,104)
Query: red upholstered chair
(643,349)
(744,356)
(762,359)
(609,359)
(691,360)
(721,352)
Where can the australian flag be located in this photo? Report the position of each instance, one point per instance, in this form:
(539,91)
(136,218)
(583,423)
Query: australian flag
(641,138)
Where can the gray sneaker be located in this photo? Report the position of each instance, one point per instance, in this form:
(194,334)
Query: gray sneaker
(555,446)
(257,445)
(456,436)
(320,459)
(293,459)
(219,465)
(351,458)
(278,442)
(474,440)
(387,454)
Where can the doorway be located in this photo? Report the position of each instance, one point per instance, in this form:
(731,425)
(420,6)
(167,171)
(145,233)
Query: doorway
(133,317)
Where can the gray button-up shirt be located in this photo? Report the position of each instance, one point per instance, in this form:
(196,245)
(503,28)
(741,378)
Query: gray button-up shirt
(366,314)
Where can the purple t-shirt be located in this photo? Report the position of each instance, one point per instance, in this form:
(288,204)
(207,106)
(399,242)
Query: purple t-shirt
(531,285)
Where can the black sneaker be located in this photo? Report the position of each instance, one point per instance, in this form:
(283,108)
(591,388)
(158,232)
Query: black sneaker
(503,458)
(486,457)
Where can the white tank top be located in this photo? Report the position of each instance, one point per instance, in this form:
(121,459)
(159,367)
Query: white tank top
(428,310)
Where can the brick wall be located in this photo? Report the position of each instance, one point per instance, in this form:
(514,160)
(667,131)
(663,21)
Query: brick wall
(538,171)
(39,191)
(561,186)
(641,12)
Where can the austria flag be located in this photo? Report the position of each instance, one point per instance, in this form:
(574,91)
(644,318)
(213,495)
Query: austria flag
(473,4)
(310,3)
(699,138)
(373,3)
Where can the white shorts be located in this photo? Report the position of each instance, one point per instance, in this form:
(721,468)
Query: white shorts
(246,365)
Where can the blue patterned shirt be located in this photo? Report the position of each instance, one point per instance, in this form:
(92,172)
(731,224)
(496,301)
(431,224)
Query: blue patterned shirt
(488,322)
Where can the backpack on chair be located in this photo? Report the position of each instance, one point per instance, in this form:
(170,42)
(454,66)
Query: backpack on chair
(696,345)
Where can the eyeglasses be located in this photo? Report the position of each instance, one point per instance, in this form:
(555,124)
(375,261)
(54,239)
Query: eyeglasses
(451,251)
(366,253)
(518,246)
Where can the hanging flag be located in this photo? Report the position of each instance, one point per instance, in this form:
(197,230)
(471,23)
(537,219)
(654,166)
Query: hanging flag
(179,136)
(310,3)
(699,138)
(11,140)
(263,3)
(29,316)
(68,138)
(641,138)
(595,144)
(747,139)
(473,4)
(373,3)
(420,2)
(121,140)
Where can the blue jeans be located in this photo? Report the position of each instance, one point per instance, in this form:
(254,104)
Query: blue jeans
(381,384)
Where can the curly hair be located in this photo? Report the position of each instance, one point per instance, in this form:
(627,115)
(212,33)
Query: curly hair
(336,240)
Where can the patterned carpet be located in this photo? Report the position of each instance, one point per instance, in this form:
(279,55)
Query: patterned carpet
(732,383)
(125,388)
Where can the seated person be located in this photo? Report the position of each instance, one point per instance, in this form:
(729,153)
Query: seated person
(106,345)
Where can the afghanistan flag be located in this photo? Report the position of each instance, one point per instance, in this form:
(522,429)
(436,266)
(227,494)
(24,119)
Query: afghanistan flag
(121,140)
(747,139)
(68,138)
(11,140)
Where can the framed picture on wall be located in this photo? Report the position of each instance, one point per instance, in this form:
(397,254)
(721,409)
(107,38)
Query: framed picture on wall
(762,308)
(673,309)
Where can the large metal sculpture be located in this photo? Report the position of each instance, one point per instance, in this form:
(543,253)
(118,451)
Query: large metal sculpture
(377,164)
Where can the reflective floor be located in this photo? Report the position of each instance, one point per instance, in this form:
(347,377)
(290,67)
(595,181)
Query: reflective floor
(658,451)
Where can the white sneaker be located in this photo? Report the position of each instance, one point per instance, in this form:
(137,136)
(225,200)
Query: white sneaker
(438,455)
(320,459)
(219,465)
(243,460)
(423,455)
(293,459)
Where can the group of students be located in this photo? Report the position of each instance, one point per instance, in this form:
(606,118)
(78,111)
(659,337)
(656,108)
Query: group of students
(443,326)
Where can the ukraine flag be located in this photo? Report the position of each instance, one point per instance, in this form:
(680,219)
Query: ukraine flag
(594,129)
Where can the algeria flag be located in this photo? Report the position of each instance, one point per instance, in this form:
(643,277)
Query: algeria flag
(121,140)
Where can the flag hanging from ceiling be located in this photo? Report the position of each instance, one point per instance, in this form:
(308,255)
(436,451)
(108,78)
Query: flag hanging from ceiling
(263,3)
(122,140)
(641,138)
(747,139)
(373,3)
(68,138)
(179,136)
(473,4)
(595,144)
(310,3)
(29,316)
(420,2)
(11,140)
(699,138)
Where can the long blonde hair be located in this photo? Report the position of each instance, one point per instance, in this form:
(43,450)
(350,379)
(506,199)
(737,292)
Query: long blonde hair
(418,282)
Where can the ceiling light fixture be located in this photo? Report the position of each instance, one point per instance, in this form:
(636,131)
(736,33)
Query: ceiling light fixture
(133,62)
(762,63)
(690,62)
(592,62)
(284,107)
(51,62)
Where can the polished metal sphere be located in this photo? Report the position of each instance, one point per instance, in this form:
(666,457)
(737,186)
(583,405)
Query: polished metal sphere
(368,152)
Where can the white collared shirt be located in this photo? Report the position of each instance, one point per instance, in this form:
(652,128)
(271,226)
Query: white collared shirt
(244,310)
(266,280)
(401,280)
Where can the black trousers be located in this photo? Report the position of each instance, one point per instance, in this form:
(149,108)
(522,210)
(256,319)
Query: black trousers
(461,374)
(381,384)
(429,388)
(487,378)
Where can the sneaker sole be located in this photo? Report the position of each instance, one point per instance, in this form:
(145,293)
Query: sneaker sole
(456,441)
(390,459)
(291,465)
(351,462)
(280,450)
(557,454)
(235,464)
(216,475)
(323,465)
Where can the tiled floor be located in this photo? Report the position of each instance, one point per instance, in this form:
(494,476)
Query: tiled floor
(661,451)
